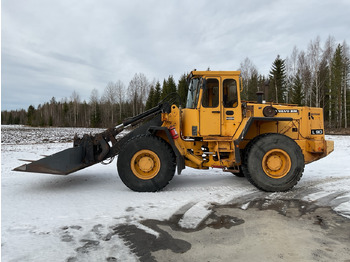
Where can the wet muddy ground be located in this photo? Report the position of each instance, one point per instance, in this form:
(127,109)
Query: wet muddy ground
(260,230)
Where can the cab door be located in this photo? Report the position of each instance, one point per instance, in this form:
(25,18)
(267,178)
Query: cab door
(210,113)
(231,107)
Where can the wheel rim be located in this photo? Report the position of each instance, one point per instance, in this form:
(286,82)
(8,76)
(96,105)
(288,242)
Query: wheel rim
(276,163)
(145,164)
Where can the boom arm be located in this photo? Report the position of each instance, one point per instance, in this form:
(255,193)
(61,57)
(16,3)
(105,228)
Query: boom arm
(90,149)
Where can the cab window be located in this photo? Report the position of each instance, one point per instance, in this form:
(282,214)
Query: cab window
(210,96)
(230,98)
(193,93)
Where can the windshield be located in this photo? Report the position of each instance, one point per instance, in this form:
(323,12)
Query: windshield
(193,93)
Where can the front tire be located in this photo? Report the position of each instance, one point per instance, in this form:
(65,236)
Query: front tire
(273,162)
(146,163)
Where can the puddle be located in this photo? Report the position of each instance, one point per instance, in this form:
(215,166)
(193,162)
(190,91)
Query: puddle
(246,230)
(272,230)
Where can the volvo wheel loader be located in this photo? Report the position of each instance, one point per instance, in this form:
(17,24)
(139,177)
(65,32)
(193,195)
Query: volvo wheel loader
(268,143)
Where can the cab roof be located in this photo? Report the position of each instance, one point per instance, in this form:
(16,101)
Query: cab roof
(216,73)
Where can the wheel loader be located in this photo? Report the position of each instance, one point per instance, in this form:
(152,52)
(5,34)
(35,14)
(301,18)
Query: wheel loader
(268,143)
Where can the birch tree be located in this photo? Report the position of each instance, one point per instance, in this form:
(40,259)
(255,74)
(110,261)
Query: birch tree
(75,100)
(328,55)
(95,117)
(120,87)
(110,97)
(138,90)
(314,55)
(248,72)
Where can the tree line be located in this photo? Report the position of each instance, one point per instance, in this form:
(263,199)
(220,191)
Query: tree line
(317,77)
(115,104)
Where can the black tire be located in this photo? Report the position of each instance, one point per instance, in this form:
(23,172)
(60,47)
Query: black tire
(148,177)
(273,162)
(240,174)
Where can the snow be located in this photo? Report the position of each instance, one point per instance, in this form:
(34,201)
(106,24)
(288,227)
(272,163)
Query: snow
(17,134)
(344,208)
(72,218)
(245,206)
(195,215)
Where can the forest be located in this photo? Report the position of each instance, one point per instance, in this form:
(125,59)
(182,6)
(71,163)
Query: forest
(318,76)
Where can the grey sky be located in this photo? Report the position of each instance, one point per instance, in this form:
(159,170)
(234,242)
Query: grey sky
(52,48)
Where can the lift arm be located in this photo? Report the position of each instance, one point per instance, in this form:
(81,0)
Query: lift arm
(92,149)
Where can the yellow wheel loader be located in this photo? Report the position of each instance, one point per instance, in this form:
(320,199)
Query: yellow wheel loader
(268,143)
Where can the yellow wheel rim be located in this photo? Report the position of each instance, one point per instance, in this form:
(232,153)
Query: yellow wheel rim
(276,163)
(145,164)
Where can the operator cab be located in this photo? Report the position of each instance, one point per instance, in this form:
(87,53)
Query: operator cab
(212,107)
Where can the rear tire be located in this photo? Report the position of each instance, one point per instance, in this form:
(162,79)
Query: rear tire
(273,162)
(146,163)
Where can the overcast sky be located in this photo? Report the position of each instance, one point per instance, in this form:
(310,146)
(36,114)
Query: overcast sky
(52,48)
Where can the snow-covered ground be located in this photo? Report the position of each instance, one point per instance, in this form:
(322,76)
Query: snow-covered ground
(72,218)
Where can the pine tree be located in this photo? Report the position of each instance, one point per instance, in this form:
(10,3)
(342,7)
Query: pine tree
(297,95)
(252,86)
(10,120)
(165,89)
(150,99)
(30,115)
(95,117)
(336,85)
(157,94)
(346,79)
(169,87)
(277,92)
(183,89)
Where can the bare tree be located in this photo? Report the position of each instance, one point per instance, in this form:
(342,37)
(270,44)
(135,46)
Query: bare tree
(133,93)
(94,100)
(110,95)
(328,55)
(304,69)
(248,70)
(314,55)
(294,61)
(75,99)
(120,96)
(138,92)
(291,70)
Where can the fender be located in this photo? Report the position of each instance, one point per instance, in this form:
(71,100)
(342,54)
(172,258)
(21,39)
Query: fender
(180,161)
(246,129)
